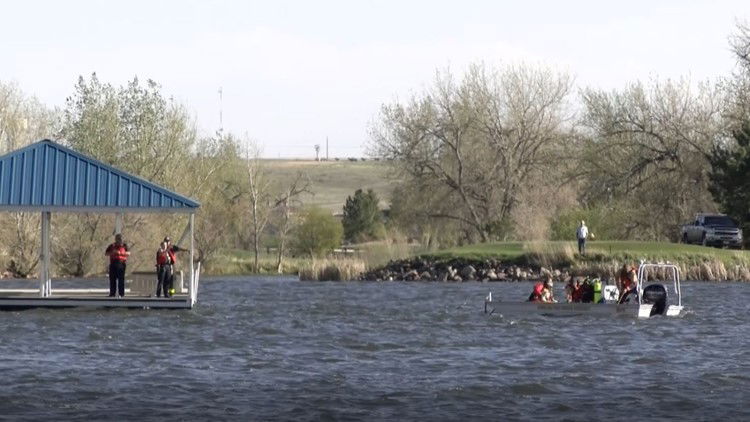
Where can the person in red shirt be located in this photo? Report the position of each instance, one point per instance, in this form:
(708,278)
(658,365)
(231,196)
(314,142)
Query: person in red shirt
(118,254)
(627,282)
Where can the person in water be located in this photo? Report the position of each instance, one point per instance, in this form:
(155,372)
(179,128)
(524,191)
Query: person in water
(627,281)
(574,290)
(543,291)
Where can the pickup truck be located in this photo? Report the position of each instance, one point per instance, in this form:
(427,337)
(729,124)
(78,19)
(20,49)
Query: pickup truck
(713,230)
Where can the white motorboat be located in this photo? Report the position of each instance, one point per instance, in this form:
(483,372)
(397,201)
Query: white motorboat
(652,299)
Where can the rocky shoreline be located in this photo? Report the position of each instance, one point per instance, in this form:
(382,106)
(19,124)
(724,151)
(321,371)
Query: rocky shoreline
(459,270)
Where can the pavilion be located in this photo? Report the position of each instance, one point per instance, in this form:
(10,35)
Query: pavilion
(48,177)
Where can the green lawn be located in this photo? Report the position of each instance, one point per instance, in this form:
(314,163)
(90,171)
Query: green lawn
(597,251)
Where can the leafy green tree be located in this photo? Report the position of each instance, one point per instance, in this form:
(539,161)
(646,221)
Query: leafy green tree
(133,127)
(318,233)
(362,218)
(730,176)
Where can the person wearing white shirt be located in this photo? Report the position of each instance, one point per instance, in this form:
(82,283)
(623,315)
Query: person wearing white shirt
(582,233)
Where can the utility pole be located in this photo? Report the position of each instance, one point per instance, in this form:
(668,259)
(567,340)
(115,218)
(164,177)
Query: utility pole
(221,111)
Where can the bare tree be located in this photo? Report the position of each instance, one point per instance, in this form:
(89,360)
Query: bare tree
(259,197)
(23,120)
(477,142)
(285,203)
(651,143)
(738,85)
(740,44)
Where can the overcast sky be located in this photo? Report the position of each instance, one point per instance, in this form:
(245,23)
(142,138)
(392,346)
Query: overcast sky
(293,73)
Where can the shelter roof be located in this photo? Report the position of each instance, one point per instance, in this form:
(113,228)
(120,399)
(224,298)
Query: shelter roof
(47,176)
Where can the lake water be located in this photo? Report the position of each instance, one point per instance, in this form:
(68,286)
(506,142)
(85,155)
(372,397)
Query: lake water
(280,349)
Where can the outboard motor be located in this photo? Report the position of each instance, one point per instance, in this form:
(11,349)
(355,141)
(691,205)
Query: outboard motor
(656,294)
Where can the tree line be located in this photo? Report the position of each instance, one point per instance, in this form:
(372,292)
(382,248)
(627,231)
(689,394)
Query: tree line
(512,152)
(515,152)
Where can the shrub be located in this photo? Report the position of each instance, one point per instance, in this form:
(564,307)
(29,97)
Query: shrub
(319,233)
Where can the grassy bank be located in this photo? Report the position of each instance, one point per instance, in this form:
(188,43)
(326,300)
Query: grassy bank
(339,267)
(605,257)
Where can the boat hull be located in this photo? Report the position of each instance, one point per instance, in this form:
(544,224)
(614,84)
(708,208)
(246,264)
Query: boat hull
(567,309)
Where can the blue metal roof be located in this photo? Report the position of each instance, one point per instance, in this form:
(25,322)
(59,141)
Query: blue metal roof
(46,176)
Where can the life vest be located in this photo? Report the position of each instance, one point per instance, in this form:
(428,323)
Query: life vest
(597,290)
(165,257)
(117,253)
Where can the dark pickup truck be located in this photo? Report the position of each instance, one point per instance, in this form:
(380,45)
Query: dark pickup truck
(713,230)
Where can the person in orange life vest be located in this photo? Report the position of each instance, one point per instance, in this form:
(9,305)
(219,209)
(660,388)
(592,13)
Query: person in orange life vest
(171,249)
(164,260)
(626,282)
(118,254)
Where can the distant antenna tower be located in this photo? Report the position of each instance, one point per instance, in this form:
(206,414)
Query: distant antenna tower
(221,111)
(317,152)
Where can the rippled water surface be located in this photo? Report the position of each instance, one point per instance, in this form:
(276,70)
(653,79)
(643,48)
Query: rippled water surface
(280,349)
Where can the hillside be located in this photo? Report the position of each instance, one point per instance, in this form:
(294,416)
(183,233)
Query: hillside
(333,181)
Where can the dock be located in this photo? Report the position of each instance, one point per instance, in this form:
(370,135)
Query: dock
(139,294)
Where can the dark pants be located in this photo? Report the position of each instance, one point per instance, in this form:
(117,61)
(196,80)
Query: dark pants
(117,278)
(581,246)
(163,279)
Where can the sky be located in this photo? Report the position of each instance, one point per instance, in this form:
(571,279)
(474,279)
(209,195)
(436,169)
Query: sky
(295,73)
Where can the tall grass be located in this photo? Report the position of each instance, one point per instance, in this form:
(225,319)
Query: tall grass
(335,269)
(377,254)
(550,254)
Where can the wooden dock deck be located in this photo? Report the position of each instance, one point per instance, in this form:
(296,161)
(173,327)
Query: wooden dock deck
(19,300)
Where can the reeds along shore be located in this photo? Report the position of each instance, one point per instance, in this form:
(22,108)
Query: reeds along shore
(343,269)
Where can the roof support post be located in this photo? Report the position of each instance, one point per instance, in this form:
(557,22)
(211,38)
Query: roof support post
(191,283)
(45,287)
